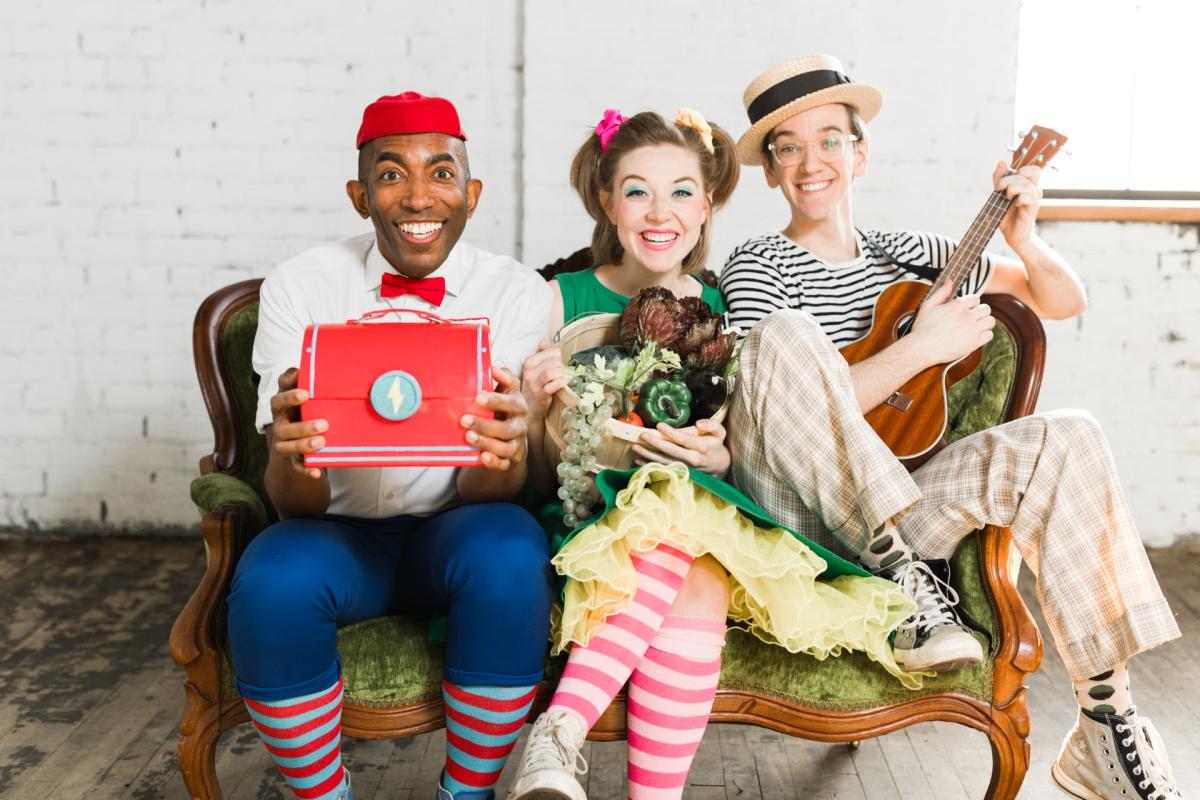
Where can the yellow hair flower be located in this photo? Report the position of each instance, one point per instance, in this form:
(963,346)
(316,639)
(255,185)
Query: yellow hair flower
(691,118)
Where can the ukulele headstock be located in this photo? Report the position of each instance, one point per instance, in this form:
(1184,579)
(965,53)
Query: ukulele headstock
(1037,148)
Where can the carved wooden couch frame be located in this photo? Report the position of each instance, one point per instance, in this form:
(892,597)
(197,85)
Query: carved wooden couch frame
(234,507)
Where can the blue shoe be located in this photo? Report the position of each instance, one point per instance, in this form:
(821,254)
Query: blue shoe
(445,794)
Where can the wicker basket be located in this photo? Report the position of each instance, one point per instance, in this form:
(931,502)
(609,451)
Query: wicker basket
(617,450)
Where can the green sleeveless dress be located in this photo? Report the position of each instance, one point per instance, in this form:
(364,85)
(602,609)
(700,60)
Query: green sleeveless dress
(583,294)
(784,588)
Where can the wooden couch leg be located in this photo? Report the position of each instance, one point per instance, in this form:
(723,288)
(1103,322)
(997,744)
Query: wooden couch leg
(1010,758)
(199,730)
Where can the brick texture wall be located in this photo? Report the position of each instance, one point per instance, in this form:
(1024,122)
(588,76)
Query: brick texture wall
(151,152)
(155,151)
(1133,360)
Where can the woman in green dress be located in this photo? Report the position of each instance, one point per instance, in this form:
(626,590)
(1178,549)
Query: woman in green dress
(653,579)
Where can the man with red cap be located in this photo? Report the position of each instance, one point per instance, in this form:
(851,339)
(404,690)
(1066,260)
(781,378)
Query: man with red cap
(365,542)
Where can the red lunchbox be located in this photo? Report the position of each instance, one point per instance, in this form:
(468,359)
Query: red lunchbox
(393,392)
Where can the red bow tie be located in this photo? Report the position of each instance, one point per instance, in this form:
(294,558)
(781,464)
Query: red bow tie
(431,289)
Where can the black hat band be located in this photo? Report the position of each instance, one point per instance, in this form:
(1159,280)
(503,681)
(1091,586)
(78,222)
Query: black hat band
(793,88)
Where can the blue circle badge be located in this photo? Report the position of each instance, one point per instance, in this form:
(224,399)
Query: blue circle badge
(395,395)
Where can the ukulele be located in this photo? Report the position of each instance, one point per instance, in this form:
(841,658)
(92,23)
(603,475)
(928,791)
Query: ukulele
(912,422)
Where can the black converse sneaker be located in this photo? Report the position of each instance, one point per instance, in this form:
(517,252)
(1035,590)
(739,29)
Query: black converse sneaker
(934,639)
(1114,757)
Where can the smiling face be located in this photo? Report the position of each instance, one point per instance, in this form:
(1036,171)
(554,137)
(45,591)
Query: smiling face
(815,190)
(417,191)
(658,204)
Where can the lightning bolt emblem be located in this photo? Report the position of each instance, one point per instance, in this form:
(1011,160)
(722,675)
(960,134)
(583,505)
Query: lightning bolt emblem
(396,395)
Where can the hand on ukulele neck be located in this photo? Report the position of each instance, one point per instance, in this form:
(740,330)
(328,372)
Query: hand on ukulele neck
(1016,202)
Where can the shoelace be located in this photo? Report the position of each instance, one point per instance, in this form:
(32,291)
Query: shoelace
(934,597)
(556,750)
(1149,748)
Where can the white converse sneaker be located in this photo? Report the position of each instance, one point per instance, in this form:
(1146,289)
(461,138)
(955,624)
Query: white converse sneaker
(1113,757)
(551,760)
(934,639)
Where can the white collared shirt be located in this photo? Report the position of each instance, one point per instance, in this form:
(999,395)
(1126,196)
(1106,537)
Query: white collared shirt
(339,282)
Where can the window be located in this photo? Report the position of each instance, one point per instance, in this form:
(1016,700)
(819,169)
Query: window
(1121,81)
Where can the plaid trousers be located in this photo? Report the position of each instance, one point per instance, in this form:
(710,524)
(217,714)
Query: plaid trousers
(803,451)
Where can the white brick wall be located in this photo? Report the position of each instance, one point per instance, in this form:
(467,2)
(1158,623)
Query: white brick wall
(923,139)
(1133,360)
(153,154)
(156,152)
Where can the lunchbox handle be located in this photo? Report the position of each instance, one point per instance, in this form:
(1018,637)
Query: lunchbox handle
(429,317)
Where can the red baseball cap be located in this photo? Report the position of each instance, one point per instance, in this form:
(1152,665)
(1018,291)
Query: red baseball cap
(409,112)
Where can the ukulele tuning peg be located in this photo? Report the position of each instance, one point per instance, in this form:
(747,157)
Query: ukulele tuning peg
(1053,168)
(1054,143)
(1040,158)
(1022,134)
(1034,135)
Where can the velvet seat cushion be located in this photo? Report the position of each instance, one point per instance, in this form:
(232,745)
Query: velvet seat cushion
(387,661)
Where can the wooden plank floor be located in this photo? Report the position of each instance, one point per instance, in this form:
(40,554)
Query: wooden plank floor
(89,700)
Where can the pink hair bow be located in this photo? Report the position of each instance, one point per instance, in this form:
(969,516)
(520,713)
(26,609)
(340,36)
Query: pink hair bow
(608,127)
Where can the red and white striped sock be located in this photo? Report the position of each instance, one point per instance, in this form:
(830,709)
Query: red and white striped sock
(482,725)
(304,738)
(595,673)
(670,696)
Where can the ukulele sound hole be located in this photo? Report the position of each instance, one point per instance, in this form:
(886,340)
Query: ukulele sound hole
(904,325)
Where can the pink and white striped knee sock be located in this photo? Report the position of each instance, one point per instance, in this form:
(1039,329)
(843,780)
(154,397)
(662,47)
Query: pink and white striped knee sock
(595,673)
(670,696)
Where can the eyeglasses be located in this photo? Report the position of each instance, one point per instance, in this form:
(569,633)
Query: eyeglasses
(829,148)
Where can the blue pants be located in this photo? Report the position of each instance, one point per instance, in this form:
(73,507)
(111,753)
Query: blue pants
(486,564)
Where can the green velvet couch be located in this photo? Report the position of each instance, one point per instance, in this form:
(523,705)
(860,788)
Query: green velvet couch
(393,677)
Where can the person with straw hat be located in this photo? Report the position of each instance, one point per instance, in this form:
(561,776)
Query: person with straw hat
(808,457)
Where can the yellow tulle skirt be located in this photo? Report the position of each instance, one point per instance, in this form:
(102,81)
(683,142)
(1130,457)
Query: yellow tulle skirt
(774,589)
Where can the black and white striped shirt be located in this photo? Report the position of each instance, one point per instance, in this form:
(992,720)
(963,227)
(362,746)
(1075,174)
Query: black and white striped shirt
(771,272)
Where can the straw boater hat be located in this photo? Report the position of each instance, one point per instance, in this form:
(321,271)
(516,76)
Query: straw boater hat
(785,90)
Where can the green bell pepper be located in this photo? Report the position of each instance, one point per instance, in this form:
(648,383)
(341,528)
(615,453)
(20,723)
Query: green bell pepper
(664,400)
